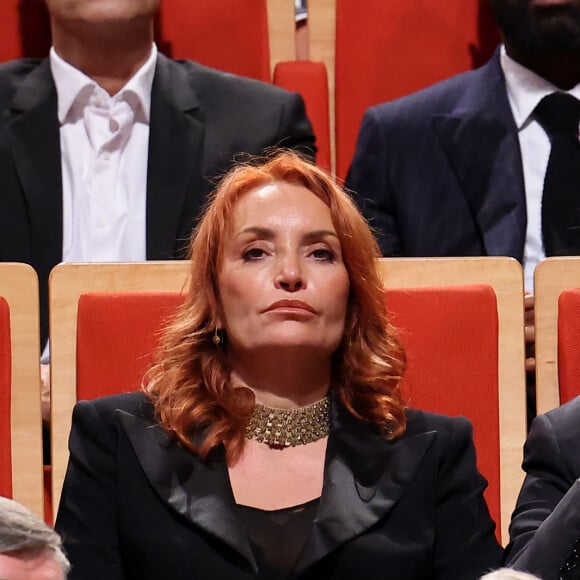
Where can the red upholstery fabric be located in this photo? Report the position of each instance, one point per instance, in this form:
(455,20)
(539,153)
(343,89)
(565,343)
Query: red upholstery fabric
(117,334)
(310,79)
(451,339)
(47,490)
(230,35)
(387,49)
(25,29)
(5,389)
(569,344)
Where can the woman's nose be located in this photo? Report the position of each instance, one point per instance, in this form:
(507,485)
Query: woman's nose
(290,277)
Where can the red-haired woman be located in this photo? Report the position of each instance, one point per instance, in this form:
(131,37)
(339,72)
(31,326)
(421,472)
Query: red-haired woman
(271,440)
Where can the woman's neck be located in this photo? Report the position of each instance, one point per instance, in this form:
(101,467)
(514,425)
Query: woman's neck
(284,382)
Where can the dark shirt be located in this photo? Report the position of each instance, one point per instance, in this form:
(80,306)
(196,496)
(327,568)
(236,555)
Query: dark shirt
(278,536)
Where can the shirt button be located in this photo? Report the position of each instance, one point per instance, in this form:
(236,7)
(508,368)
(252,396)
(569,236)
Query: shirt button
(113,125)
(106,156)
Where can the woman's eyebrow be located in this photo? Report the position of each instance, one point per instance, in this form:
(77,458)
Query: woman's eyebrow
(269,234)
(265,233)
(318,234)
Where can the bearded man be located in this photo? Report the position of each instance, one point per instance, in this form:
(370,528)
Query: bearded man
(457,169)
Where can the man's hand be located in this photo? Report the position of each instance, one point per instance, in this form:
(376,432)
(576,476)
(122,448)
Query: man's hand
(529,333)
(45,396)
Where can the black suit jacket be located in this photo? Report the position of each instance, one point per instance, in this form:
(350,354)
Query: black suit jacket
(545,528)
(200,119)
(137,506)
(439,172)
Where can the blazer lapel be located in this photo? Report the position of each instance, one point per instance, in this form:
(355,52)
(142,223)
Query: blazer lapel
(34,138)
(174,174)
(364,477)
(481,142)
(198,490)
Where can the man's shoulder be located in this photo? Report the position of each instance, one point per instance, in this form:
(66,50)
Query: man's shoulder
(565,419)
(12,74)
(19,68)
(212,84)
(438,99)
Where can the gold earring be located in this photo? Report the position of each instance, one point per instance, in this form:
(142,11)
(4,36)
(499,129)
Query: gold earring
(216,337)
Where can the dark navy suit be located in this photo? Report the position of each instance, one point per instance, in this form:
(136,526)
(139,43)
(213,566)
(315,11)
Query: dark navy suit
(439,172)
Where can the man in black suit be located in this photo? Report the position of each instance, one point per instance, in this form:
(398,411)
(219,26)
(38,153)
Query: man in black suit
(457,169)
(545,528)
(106,99)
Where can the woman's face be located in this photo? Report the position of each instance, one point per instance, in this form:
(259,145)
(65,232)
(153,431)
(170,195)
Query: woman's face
(282,280)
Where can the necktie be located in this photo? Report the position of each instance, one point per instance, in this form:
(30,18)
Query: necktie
(559,115)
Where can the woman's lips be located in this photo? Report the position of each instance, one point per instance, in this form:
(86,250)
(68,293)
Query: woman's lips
(297,307)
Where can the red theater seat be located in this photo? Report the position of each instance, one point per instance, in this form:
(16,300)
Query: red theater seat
(21,474)
(104,324)
(569,344)
(461,321)
(557,322)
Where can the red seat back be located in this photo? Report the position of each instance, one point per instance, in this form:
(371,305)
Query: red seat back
(25,29)
(387,49)
(569,344)
(117,334)
(231,35)
(451,339)
(310,79)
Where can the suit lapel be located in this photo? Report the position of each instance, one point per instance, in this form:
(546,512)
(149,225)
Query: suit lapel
(174,176)
(364,477)
(34,138)
(198,490)
(482,147)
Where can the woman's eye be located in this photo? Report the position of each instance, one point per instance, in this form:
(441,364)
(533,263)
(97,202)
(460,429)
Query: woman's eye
(253,254)
(323,254)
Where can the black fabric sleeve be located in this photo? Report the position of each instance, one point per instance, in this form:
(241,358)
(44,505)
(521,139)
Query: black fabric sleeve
(546,522)
(87,513)
(465,543)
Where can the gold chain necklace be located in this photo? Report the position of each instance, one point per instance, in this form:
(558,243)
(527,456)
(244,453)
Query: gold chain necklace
(289,427)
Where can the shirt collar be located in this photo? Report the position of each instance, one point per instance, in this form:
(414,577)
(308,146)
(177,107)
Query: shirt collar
(71,84)
(525,88)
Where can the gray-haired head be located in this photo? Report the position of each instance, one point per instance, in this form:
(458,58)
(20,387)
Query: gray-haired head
(21,532)
(508,574)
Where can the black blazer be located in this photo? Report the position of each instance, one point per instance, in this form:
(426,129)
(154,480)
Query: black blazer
(545,528)
(200,119)
(439,172)
(137,506)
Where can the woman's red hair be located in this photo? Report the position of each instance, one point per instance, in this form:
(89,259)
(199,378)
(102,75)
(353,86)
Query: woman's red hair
(189,383)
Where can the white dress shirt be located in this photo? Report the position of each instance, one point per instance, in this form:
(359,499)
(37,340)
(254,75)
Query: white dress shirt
(104,143)
(525,90)
(104,150)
